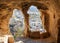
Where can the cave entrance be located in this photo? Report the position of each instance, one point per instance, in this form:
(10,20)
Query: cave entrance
(17,24)
(38,23)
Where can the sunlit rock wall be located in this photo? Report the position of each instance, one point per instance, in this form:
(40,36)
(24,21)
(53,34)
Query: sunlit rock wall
(6,9)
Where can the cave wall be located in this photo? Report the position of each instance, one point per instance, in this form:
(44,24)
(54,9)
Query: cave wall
(6,10)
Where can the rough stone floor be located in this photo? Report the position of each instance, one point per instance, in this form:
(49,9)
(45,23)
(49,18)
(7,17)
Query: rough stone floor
(28,40)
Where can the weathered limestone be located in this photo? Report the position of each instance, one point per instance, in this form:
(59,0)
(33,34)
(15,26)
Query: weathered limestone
(6,10)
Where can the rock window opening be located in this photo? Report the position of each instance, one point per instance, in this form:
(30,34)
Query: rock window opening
(16,24)
(35,22)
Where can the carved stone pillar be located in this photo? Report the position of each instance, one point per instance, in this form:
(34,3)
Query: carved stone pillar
(26,23)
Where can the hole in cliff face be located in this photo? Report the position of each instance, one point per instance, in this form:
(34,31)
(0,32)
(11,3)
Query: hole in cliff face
(16,24)
(35,21)
(36,26)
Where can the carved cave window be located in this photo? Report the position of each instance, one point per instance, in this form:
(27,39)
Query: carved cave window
(17,24)
(35,22)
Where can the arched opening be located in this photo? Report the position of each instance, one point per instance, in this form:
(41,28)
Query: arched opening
(35,21)
(36,25)
(16,24)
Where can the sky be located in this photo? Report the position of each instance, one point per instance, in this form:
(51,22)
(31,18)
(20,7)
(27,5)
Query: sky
(33,8)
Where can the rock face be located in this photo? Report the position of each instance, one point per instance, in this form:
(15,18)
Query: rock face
(50,7)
